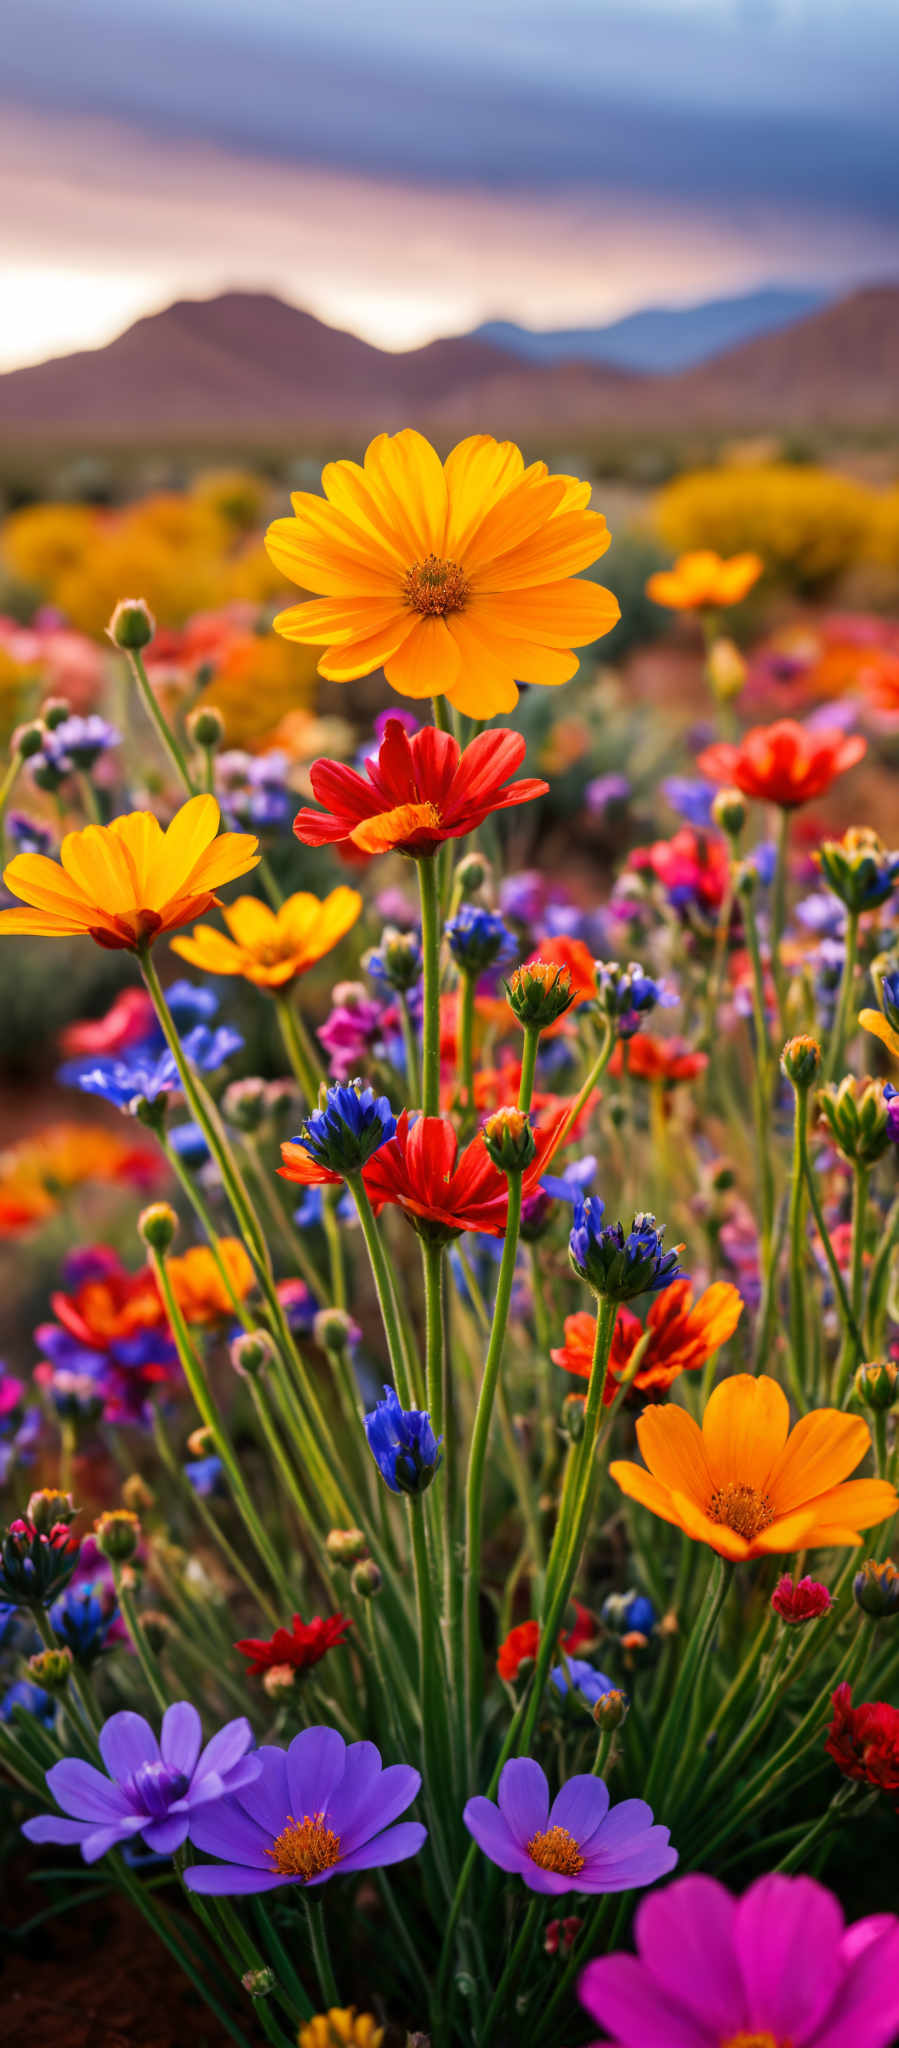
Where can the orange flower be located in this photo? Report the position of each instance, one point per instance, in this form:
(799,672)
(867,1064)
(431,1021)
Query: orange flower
(748,1485)
(271,947)
(34,1173)
(198,1286)
(703,581)
(459,579)
(125,883)
(683,1335)
(657,1059)
(784,763)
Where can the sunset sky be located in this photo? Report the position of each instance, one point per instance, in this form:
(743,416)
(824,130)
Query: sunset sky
(408,170)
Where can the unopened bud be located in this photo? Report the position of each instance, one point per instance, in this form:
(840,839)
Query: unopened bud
(509,1140)
(539,993)
(609,1711)
(365,1578)
(137,1495)
(132,625)
(729,811)
(244,1103)
(55,711)
(746,881)
(278,1681)
(876,1384)
(725,670)
(471,872)
(258,1983)
(346,1546)
(206,727)
(875,1589)
(117,1532)
(572,1417)
(47,1507)
(157,1226)
(27,740)
(51,1669)
(251,1352)
(201,1441)
(801,1060)
(150,1110)
(333,1329)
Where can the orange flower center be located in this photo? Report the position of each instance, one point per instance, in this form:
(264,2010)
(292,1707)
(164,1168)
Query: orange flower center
(391,828)
(754,2041)
(305,1847)
(556,1849)
(434,587)
(746,1511)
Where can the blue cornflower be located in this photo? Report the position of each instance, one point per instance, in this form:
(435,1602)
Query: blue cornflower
(189,1143)
(582,1678)
(348,1126)
(78,742)
(81,1620)
(479,939)
(691,798)
(204,1475)
(191,1003)
(27,834)
(622,1613)
(148,1074)
(395,963)
(627,994)
(605,791)
(569,1186)
(617,1263)
(32,1699)
(403,1445)
(253,790)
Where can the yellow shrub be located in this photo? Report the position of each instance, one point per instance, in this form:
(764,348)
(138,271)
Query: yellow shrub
(42,541)
(807,524)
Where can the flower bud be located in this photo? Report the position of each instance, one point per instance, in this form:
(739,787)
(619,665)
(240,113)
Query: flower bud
(137,1495)
(117,1533)
(478,937)
(55,711)
(729,811)
(251,1352)
(509,1140)
(244,1103)
(278,1681)
(875,1589)
(470,874)
(746,881)
(346,1546)
(157,1226)
(876,1384)
(151,1111)
(396,960)
(258,1983)
(27,740)
(858,868)
(561,1935)
(132,625)
(725,669)
(51,1669)
(206,727)
(365,1578)
(333,1330)
(609,1710)
(539,993)
(616,1263)
(200,1441)
(48,1507)
(857,1113)
(571,1419)
(801,1060)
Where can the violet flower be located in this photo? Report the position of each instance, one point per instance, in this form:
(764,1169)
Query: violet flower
(777,1965)
(154,1788)
(577,1844)
(316,1810)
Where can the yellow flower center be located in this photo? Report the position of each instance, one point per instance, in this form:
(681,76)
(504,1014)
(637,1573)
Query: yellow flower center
(391,828)
(434,587)
(305,1847)
(556,1849)
(747,1512)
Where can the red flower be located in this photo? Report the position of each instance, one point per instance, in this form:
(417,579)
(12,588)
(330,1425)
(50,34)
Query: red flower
(802,1602)
(784,763)
(130,1020)
(682,1336)
(864,1741)
(447,1191)
(420,791)
(693,868)
(303,1644)
(523,1642)
(657,1059)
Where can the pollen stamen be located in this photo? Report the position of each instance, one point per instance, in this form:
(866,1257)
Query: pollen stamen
(304,1847)
(434,587)
(556,1849)
(747,1512)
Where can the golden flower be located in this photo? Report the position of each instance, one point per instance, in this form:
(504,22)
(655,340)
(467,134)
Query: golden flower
(198,1286)
(746,1483)
(125,883)
(341,2027)
(703,581)
(271,947)
(39,1169)
(459,579)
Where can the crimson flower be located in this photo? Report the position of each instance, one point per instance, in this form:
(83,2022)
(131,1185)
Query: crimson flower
(420,791)
(523,1641)
(443,1191)
(864,1741)
(801,1602)
(305,1643)
(784,763)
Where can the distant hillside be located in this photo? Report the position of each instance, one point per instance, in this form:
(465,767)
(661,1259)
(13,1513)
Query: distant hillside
(246,364)
(659,338)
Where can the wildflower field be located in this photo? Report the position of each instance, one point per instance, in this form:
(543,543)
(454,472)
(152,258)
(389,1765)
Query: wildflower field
(449,1233)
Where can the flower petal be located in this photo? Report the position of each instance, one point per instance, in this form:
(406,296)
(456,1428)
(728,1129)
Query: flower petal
(523,1797)
(673,1447)
(745,1428)
(685,1936)
(620,1993)
(126,1741)
(222,1879)
(493,1834)
(822,1450)
(180,1736)
(787,1935)
(393,1846)
(82,1790)
(580,1806)
(315,1766)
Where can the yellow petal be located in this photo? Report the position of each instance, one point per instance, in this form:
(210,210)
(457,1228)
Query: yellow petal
(479,471)
(98,861)
(332,571)
(672,1445)
(702,1529)
(822,1450)
(409,471)
(210,950)
(858,1503)
(335,621)
(139,841)
(191,832)
(569,614)
(361,657)
(562,547)
(43,924)
(744,1429)
(640,1485)
(520,513)
(873,1021)
(44,884)
(427,663)
(486,676)
(230,855)
(251,923)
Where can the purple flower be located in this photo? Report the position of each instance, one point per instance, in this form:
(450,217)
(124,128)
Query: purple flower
(592,1685)
(576,1844)
(153,1788)
(316,1809)
(777,1965)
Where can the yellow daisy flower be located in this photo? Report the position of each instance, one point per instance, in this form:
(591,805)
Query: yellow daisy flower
(458,578)
(272,947)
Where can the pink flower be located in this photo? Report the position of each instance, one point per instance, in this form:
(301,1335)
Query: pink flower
(802,1602)
(777,1965)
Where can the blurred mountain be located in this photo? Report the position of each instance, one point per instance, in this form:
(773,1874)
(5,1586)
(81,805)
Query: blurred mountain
(247,364)
(659,338)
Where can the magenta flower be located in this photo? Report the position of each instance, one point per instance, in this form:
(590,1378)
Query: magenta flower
(317,1809)
(777,1966)
(153,1788)
(576,1844)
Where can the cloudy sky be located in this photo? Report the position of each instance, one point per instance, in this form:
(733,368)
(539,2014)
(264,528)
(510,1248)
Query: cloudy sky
(408,170)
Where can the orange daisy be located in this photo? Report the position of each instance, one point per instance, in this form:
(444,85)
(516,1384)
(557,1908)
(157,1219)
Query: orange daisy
(704,581)
(682,1336)
(746,1483)
(198,1286)
(458,578)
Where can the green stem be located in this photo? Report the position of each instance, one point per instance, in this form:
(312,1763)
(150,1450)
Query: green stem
(860,1180)
(430,947)
(433,1257)
(170,745)
(148,1663)
(798,1250)
(383,1287)
(466,1044)
(511,1976)
(842,1021)
(298,1054)
(321,1954)
(474,1489)
(779,915)
(6,789)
